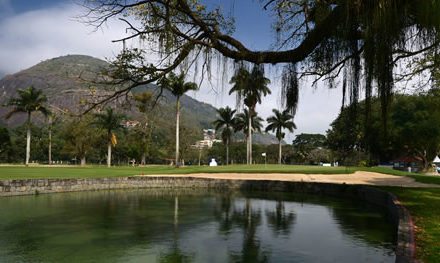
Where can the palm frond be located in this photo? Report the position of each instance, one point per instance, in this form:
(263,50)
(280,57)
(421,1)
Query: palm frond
(280,121)
(28,100)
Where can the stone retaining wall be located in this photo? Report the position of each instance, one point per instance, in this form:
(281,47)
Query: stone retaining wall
(405,244)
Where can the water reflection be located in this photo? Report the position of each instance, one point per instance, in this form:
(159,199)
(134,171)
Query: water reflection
(175,253)
(248,220)
(280,220)
(192,226)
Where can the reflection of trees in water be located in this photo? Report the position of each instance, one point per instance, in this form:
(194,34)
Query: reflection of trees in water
(280,220)
(139,217)
(247,220)
(364,223)
(223,214)
(175,254)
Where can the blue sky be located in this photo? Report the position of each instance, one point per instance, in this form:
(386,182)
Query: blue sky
(21,6)
(252,25)
(35,30)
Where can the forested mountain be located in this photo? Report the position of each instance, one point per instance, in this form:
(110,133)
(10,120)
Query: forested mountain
(68,83)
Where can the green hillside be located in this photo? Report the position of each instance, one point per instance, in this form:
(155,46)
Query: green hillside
(68,83)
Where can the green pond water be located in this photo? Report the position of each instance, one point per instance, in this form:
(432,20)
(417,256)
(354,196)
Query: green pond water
(192,226)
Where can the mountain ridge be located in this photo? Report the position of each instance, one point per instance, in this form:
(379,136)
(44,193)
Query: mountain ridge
(62,80)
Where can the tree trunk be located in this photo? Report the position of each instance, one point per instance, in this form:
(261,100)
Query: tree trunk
(109,154)
(425,161)
(50,141)
(227,151)
(250,136)
(177,130)
(83,161)
(279,151)
(247,148)
(143,158)
(28,139)
(200,154)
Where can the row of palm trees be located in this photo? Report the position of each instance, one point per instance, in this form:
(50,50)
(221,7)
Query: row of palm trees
(33,100)
(228,123)
(249,86)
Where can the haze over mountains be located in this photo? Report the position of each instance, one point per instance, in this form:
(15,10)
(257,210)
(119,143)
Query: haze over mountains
(66,82)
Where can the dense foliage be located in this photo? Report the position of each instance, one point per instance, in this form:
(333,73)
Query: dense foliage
(311,149)
(413,130)
(361,41)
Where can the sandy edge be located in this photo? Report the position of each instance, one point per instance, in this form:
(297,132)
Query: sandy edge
(357,178)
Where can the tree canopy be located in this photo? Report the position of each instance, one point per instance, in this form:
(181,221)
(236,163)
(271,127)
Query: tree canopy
(280,121)
(28,101)
(364,41)
(413,130)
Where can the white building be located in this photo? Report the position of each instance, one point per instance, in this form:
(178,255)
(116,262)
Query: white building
(208,139)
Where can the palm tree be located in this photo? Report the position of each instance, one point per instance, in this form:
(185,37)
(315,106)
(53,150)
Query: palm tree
(250,87)
(50,120)
(178,87)
(278,122)
(28,101)
(241,123)
(109,121)
(225,123)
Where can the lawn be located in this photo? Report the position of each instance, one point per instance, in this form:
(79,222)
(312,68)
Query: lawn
(427,179)
(33,172)
(424,206)
(21,172)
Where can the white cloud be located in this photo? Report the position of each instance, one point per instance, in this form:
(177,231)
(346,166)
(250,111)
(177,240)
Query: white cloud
(31,37)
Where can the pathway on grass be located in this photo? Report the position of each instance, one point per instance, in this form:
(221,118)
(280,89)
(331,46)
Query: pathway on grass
(360,177)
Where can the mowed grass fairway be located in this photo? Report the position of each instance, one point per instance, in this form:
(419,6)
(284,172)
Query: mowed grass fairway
(34,172)
(43,172)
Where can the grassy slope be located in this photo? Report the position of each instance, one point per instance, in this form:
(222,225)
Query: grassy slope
(424,206)
(428,179)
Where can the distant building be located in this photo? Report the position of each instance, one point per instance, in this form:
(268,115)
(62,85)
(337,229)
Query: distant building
(208,134)
(403,163)
(131,124)
(208,139)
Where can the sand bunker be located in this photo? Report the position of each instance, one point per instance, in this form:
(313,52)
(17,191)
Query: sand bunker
(360,178)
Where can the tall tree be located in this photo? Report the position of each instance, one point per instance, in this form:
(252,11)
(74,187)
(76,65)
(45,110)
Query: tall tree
(225,123)
(5,145)
(363,39)
(80,138)
(178,87)
(144,104)
(278,122)
(109,121)
(412,130)
(305,144)
(250,87)
(29,100)
(242,123)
